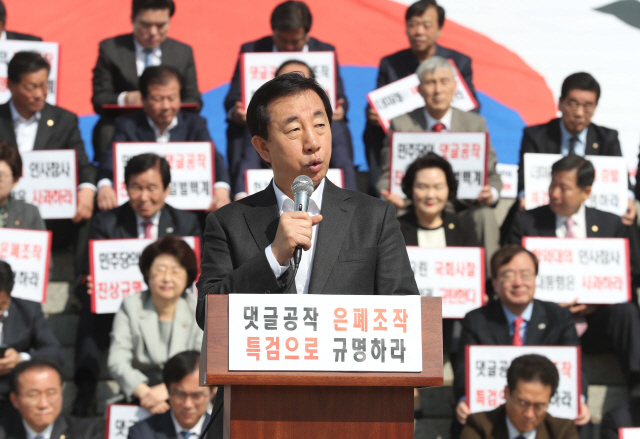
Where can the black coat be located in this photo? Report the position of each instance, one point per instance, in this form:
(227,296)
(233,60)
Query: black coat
(459,231)
(65,427)
(24,37)
(623,416)
(158,427)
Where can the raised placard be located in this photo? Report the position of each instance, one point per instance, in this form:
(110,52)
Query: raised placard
(629,433)
(256,180)
(454,273)
(314,332)
(467,153)
(121,417)
(509,177)
(591,270)
(192,171)
(486,376)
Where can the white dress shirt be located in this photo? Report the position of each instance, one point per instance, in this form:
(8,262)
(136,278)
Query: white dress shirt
(3,36)
(163,137)
(196,430)
(579,227)
(285,204)
(432,238)
(154,220)
(514,433)
(141,60)
(46,433)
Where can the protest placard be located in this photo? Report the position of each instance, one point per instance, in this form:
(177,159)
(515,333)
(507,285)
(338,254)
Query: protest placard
(121,417)
(256,180)
(629,433)
(509,176)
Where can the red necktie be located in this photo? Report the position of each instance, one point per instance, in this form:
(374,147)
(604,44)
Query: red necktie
(569,223)
(147,229)
(517,340)
(438,127)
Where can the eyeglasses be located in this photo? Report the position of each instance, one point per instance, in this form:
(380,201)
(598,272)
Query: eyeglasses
(589,107)
(414,24)
(526,405)
(510,275)
(159,270)
(135,190)
(33,398)
(180,396)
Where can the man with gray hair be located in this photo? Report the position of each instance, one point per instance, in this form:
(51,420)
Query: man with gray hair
(437,87)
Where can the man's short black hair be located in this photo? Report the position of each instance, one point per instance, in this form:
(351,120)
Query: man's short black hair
(139,5)
(25,62)
(6,277)
(291,15)
(157,75)
(3,14)
(258,117)
(295,61)
(505,254)
(179,366)
(580,81)
(533,368)
(25,366)
(143,162)
(419,8)
(585,172)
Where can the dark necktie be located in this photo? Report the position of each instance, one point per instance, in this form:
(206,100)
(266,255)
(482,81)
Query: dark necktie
(520,436)
(148,62)
(188,434)
(438,127)
(572,145)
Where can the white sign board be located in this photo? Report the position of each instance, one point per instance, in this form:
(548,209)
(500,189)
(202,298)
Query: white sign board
(256,180)
(192,171)
(454,273)
(49,51)
(317,332)
(609,191)
(509,176)
(259,67)
(113,264)
(629,433)
(592,270)
(50,181)
(28,252)
(121,417)
(467,153)
(486,369)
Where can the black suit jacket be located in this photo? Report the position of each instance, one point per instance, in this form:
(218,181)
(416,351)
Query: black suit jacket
(546,139)
(26,330)
(57,129)
(550,325)
(18,36)
(135,128)
(359,248)
(459,231)
(622,416)
(158,427)
(65,427)
(115,70)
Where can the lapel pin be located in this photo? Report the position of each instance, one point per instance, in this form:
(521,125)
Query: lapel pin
(50,123)
(169,229)
(541,326)
(595,145)
(452,226)
(594,228)
(17,223)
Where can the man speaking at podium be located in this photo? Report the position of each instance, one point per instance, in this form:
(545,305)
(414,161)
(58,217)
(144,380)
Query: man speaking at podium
(352,242)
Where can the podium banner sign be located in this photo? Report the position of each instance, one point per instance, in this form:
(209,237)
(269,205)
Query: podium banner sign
(486,376)
(256,180)
(28,252)
(259,67)
(312,332)
(609,191)
(49,51)
(592,270)
(192,171)
(113,264)
(467,153)
(50,181)
(454,273)
(121,417)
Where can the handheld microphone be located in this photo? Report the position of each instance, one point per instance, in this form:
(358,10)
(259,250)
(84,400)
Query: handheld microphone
(302,189)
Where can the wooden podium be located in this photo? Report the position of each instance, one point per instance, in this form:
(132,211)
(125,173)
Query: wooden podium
(310,405)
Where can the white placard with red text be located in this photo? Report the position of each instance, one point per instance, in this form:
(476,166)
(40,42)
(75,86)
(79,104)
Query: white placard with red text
(256,68)
(50,181)
(592,270)
(313,332)
(509,176)
(49,51)
(486,376)
(629,433)
(256,180)
(113,264)
(454,273)
(192,171)
(402,96)
(609,191)
(467,153)
(121,417)
(29,254)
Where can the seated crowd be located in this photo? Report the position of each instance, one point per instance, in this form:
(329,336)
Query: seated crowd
(151,343)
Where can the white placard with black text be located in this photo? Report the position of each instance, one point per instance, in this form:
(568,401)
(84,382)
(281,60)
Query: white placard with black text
(509,176)
(121,417)
(258,179)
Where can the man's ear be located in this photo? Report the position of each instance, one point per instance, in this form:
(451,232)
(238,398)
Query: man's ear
(262,147)
(587,192)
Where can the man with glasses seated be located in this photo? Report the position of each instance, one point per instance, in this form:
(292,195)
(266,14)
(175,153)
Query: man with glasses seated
(188,401)
(531,382)
(36,392)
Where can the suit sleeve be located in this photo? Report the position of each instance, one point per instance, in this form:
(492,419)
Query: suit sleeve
(190,92)
(528,144)
(120,360)
(86,171)
(471,430)
(468,336)
(136,431)
(493,178)
(250,160)
(385,152)
(569,337)
(43,343)
(103,91)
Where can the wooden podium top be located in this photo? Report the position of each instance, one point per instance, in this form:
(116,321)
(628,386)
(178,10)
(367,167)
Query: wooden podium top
(214,363)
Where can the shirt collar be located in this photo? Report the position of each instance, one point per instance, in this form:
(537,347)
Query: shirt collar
(511,317)
(578,218)
(514,433)
(196,429)
(15,116)
(431,121)
(155,219)
(304,49)
(46,433)
(156,130)
(316,197)
(3,35)
(566,135)
(139,49)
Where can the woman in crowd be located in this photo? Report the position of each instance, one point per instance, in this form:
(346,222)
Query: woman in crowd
(154,325)
(14,213)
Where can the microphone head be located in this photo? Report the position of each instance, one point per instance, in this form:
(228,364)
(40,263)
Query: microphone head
(302,184)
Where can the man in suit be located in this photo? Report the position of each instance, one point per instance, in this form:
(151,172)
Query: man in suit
(608,327)
(437,87)
(290,23)
(626,415)
(515,319)
(160,121)
(25,334)
(189,402)
(145,215)
(10,35)
(531,382)
(36,393)
(424,21)
(122,59)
